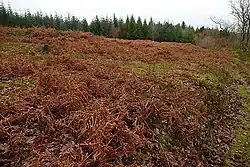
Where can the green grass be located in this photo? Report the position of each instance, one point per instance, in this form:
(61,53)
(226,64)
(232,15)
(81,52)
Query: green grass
(241,55)
(14,86)
(18,83)
(25,82)
(20,32)
(215,78)
(16,48)
(142,68)
(3,85)
(241,145)
(168,142)
(209,80)
(243,91)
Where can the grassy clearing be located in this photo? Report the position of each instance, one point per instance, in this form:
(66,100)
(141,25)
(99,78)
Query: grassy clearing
(22,32)
(240,150)
(3,85)
(15,84)
(16,48)
(142,68)
(241,147)
(10,89)
(241,55)
(215,78)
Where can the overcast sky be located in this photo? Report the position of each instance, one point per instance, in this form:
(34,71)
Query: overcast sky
(193,12)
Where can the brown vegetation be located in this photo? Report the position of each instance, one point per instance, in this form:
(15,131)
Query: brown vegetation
(84,102)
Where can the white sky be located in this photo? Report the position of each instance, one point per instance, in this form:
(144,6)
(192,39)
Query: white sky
(193,12)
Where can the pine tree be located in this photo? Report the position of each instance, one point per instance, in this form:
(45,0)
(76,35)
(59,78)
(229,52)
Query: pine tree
(132,28)
(46,21)
(158,32)
(3,15)
(51,20)
(38,19)
(151,29)
(68,22)
(57,22)
(10,16)
(95,26)
(74,23)
(106,25)
(125,29)
(139,33)
(178,33)
(115,21)
(145,29)
(183,25)
(28,19)
(168,32)
(121,28)
(189,35)
(85,25)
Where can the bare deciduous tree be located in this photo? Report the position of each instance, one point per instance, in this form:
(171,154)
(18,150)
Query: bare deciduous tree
(240,9)
(223,25)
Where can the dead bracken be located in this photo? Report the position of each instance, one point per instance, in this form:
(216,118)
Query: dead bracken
(85,100)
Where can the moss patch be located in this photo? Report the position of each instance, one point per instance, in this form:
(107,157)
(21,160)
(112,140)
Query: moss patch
(3,85)
(241,145)
(13,85)
(214,79)
(23,32)
(241,55)
(16,48)
(166,141)
(25,82)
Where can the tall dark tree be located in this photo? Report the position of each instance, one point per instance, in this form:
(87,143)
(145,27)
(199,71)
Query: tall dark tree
(106,25)
(183,25)
(95,26)
(115,21)
(57,22)
(125,29)
(121,28)
(132,28)
(46,21)
(84,25)
(74,23)
(139,33)
(178,33)
(151,29)
(3,15)
(145,29)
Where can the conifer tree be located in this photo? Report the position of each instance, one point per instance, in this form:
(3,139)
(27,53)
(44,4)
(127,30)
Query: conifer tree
(121,28)
(95,26)
(145,29)
(151,29)
(125,32)
(74,23)
(139,33)
(3,15)
(183,25)
(46,21)
(57,22)
(106,25)
(85,26)
(115,21)
(132,28)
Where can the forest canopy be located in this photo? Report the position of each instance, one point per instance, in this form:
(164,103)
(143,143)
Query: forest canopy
(113,27)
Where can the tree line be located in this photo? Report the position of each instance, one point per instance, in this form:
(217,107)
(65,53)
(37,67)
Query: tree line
(130,28)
